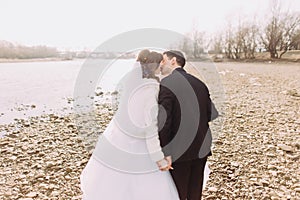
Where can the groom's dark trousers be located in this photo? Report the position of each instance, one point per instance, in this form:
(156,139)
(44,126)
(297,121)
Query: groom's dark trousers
(188,177)
(185,108)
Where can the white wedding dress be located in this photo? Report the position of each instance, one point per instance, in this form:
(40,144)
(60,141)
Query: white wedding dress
(122,166)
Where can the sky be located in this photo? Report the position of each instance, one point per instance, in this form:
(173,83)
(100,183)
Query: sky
(80,24)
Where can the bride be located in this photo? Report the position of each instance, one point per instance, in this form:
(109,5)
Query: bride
(127,161)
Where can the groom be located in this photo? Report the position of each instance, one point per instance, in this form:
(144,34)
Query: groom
(185,108)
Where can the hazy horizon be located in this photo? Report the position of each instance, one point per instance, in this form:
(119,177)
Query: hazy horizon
(70,25)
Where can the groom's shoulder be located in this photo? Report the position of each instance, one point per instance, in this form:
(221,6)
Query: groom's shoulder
(167,79)
(176,77)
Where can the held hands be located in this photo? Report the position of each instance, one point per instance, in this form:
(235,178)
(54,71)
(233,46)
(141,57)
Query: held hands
(165,164)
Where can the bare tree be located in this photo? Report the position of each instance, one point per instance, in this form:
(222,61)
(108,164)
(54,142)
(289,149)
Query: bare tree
(271,35)
(290,24)
(216,43)
(295,44)
(198,39)
(237,40)
(186,46)
(249,41)
(278,34)
(229,41)
(12,51)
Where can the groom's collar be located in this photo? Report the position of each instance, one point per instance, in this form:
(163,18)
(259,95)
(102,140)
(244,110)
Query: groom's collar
(178,69)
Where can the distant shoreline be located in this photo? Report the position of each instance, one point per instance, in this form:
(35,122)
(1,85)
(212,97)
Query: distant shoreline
(258,60)
(5,60)
(205,59)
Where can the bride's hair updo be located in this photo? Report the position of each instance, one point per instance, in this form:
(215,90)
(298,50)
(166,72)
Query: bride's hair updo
(149,62)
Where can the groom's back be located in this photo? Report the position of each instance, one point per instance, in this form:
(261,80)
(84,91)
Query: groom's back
(190,115)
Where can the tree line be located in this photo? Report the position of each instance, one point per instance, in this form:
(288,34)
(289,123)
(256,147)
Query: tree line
(9,50)
(276,34)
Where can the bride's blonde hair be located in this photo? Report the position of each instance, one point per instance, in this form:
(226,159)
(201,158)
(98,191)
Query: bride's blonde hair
(149,61)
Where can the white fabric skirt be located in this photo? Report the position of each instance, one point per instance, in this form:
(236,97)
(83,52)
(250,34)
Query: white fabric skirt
(99,182)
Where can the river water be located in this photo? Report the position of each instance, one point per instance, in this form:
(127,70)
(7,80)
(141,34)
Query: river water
(34,88)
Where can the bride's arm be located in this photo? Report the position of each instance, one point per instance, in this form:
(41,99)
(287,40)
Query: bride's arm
(152,138)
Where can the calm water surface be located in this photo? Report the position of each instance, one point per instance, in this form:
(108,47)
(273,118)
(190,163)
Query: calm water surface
(33,88)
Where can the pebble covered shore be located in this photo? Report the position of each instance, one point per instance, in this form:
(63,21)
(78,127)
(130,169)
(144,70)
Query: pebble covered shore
(256,155)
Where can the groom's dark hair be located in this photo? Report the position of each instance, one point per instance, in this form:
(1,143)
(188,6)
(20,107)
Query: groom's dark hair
(178,55)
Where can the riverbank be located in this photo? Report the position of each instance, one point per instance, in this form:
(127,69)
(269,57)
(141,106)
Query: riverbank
(292,56)
(42,157)
(4,60)
(255,155)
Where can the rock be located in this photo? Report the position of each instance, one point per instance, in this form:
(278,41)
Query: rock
(272,167)
(8,194)
(99,93)
(210,197)
(212,189)
(265,182)
(68,169)
(270,155)
(285,147)
(253,179)
(55,193)
(235,164)
(275,198)
(31,195)
(294,157)
(274,173)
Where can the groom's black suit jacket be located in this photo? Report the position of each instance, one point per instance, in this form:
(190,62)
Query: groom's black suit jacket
(185,108)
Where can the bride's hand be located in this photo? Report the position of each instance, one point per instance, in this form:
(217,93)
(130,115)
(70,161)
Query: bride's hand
(169,160)
(165,164)
(162,164)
